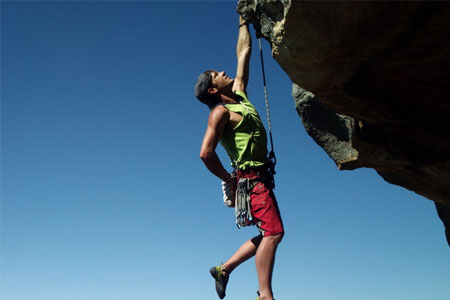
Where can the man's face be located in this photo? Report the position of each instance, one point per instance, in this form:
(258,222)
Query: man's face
(220,80)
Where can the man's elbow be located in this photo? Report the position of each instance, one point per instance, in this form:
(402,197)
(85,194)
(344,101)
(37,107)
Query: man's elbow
(205,155)
(202,156)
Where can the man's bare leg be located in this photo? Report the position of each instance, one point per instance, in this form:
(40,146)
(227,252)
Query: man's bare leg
(246,251)
(264,260)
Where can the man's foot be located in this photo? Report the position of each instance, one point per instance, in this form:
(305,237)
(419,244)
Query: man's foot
(221,280)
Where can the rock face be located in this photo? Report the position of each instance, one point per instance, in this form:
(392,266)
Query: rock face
(379,72)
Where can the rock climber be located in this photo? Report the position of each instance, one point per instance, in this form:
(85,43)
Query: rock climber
(235,123)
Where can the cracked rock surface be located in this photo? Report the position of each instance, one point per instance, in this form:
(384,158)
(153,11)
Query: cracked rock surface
(370,83)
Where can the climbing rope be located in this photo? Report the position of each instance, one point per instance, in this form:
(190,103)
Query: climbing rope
(272,158)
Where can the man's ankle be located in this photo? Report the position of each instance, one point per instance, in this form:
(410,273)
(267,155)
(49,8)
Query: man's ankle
(263,296)
(225,270)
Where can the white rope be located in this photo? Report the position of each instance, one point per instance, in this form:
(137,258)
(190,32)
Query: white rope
(266,96)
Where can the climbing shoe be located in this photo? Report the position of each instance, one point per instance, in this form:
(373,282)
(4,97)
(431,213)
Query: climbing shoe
(221,280)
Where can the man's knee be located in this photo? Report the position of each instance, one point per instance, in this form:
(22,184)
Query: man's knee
(276,238)
(280,237)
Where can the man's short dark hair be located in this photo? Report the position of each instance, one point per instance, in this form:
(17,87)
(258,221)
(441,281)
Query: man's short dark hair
(204,82)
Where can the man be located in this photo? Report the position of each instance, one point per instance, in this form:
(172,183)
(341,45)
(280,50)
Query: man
(234,122)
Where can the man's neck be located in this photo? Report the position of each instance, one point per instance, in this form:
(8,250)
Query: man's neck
(228,98)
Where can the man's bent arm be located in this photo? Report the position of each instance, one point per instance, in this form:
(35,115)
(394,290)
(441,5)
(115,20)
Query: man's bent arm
(216,123)
(243,52)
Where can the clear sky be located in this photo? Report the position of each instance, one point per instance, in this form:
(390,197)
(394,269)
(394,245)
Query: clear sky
(104,196)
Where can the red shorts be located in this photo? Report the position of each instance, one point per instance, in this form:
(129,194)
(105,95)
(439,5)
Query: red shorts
(264,206)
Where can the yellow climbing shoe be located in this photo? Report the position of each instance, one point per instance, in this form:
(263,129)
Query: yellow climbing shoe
(221,280)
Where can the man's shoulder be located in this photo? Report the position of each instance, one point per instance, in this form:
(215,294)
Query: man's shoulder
(218,112)
(219,108)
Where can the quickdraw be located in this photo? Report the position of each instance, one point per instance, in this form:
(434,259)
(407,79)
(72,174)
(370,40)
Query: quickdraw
(242,208)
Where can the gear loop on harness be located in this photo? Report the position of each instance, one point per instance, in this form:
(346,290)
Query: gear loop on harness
(244,190)
(242,208)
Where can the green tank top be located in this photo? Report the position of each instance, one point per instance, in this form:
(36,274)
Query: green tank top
(246,143)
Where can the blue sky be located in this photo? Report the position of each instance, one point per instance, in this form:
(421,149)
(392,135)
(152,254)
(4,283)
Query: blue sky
(103,192)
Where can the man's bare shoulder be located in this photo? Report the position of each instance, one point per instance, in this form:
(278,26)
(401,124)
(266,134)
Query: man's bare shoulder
(219,114)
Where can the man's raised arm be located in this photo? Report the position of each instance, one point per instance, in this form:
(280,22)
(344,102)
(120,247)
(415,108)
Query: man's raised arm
(243,52)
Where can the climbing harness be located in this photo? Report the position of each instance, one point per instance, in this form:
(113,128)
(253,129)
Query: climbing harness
(271,159)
